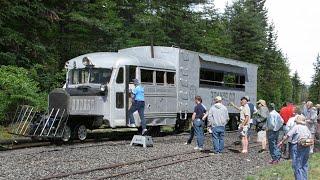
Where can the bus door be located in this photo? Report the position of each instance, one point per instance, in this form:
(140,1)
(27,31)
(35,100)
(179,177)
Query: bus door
(118,99)
(130,75)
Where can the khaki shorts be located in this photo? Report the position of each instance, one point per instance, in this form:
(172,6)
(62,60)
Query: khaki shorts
(243,130)
(262,136)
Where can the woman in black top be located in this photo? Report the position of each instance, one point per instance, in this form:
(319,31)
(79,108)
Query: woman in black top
(198,123)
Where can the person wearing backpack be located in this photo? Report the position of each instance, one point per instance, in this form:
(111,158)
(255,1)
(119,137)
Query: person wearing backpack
(260,119)
(253,110)
(301,142)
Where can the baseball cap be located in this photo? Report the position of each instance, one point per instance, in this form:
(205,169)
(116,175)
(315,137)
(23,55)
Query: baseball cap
(136,81)
(218,98)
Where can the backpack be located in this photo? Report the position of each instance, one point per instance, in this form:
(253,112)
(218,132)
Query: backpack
(251,107)
(306,142)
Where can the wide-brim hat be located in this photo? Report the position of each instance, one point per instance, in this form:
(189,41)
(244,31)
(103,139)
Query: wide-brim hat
(262,102)
(300,119)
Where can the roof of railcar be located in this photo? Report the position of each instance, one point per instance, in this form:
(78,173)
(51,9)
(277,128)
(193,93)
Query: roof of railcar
(114,59)
(145,51)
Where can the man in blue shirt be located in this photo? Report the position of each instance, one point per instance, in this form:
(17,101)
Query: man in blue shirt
(274,124)
(137,105)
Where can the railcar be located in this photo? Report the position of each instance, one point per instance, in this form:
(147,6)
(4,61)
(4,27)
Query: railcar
(97,87)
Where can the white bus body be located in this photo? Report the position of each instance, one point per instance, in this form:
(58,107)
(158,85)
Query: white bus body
(98,85)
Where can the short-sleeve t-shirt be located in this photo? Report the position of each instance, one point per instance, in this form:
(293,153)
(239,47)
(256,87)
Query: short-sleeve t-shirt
(138,93)
(298,132)
(244,111)
(200,110)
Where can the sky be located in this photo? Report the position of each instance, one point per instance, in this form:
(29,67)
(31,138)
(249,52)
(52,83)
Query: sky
(297,24)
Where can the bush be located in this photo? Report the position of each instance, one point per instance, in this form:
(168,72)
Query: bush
(17,88)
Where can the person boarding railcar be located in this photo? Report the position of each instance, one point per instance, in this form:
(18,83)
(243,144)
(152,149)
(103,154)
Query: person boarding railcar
(138,104)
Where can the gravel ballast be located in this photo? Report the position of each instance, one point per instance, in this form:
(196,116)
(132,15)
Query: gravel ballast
(34,163)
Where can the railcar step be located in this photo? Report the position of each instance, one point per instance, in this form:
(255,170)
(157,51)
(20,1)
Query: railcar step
(145,141)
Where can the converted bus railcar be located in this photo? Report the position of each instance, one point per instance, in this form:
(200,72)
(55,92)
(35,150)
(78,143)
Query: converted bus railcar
(98,85)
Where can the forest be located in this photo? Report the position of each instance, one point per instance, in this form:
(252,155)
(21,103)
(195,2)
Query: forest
(37,37)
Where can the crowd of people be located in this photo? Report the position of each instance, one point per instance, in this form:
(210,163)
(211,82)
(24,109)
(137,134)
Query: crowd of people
(290,133)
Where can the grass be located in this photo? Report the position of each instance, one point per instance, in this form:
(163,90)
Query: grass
(284,171)
(4,133)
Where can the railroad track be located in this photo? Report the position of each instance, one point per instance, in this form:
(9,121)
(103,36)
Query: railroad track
(118,169)
(15,145)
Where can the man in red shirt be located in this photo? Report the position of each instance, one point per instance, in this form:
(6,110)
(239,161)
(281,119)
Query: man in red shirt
(287,111)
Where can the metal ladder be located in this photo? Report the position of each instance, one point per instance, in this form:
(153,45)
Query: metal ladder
(29,122)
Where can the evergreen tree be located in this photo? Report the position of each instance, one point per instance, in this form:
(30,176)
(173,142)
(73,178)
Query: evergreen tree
(296,88)
(314,90)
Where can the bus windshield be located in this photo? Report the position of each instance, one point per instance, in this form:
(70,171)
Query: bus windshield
(94,75)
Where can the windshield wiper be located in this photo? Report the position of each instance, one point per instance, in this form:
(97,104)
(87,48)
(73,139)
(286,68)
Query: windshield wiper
(84,87)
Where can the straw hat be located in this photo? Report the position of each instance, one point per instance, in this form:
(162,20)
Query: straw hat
(317,105)
(300,119)
(262,102)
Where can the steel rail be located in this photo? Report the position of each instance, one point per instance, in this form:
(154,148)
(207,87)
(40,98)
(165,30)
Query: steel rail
(105,167)
(119,165)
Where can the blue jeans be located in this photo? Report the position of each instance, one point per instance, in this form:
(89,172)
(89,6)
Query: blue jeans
(191,135)
(250,131)
(198,130)
(273,148)
(218,138)
(290,150)
(300,158)
(137,106)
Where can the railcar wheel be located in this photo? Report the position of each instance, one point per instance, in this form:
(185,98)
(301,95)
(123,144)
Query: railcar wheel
(66,136)
(154,131)
(82,132)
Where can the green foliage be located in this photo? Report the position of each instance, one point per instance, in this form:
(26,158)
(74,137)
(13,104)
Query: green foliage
(314,90)
(41,36)
(284,170)
(17,88)
(296,88)
(253,40)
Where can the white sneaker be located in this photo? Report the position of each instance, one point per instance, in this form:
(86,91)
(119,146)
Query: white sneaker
(186,143)
(144,132)
(200,149)
(196,148)
(209,130)
(132,125)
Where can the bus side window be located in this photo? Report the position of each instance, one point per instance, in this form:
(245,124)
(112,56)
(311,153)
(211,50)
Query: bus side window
(146,76)
(132,73)
(160,77)
(119,100)
(120,76)
(170,78)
